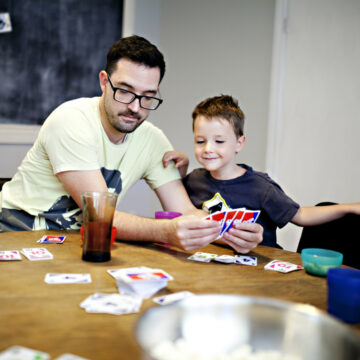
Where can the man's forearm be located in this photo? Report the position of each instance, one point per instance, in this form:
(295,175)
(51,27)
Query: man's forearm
(132,227)
(185,232)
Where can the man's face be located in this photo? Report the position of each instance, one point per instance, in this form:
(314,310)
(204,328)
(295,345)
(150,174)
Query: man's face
(140,79)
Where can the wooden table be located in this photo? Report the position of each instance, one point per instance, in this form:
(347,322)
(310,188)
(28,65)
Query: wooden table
(48,317)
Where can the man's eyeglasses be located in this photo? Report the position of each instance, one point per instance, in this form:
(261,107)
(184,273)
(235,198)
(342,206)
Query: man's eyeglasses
(126,97)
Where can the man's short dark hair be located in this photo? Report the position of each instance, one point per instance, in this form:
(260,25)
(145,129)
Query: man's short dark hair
(138,50)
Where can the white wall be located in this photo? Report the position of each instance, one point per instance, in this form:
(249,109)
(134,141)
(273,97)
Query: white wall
(317,139)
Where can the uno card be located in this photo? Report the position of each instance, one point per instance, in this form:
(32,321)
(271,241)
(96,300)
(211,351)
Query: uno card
(156,274)
(141,273)
(219,217)
(56,278)
(246,260)
(5,22)
(250,216)
(115,304)
(23,353)
(202,257)
(37,254)
(51,239)
(282,266)
(226,259)
(8,255)
(171,298)
(142,281)
(207,217)
(238,217)
(230,215)
(69,356)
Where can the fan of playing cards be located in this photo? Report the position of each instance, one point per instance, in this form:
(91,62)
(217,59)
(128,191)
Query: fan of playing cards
(230,217)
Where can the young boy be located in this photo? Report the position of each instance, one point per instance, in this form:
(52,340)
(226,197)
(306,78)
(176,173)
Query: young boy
(218,125)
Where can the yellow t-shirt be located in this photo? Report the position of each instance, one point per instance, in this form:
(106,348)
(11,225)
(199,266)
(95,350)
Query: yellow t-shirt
(72,138)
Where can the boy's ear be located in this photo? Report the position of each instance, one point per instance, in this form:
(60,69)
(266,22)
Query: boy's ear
(240,143)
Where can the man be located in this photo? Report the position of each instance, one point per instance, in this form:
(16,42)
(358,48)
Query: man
(98,144)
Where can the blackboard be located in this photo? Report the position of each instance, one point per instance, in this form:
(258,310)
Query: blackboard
(53,54)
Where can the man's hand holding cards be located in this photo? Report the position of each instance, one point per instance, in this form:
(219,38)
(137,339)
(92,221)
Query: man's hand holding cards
(230,217)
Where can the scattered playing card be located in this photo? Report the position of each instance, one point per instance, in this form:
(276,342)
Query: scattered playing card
(282,266)
(227,259)
(115,304)
(171,298)
(56,278)
(246,260)
(51,239)
(202,257)
(142,281)
(37,254)
(68,356)
(23,353)
(9,255)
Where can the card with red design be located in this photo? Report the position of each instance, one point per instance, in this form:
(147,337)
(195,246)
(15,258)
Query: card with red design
(230,217)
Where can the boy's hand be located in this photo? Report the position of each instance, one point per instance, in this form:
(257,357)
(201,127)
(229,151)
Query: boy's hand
(244,237)
(180,159)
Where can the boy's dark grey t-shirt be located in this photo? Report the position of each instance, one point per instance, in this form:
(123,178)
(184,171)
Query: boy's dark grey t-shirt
(254,190)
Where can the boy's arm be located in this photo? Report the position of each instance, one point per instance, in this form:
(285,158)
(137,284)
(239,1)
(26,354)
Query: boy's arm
(180,159)
(316,215)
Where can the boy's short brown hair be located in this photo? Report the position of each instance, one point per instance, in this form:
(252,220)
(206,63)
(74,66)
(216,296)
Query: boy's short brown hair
(225,107)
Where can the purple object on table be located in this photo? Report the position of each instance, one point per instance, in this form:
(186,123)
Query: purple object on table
(167,214)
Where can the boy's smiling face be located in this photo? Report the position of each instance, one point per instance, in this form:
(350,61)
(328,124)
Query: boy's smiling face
(216,146)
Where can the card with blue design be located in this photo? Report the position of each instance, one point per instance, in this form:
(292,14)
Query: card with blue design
(230,217)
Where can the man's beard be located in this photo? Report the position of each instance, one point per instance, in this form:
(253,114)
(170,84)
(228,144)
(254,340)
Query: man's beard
(123,127)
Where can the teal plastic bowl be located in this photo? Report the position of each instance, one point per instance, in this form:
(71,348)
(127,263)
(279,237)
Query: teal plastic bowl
(319,261)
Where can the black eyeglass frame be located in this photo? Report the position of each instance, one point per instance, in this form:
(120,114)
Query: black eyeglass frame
(136,96)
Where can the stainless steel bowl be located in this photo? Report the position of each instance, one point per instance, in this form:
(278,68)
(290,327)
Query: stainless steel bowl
(224,322)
